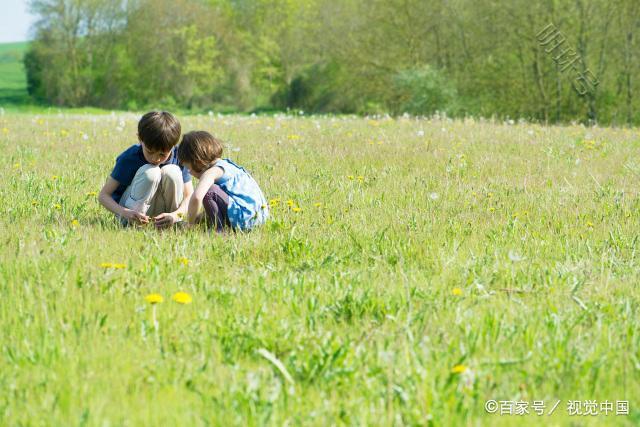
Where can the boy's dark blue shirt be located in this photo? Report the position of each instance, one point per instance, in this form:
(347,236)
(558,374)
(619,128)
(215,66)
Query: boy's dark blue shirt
(128,163)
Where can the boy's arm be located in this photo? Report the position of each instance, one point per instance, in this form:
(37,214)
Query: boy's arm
(107,201)
(207,179)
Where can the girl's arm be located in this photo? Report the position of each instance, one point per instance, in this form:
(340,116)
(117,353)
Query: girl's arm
(170,218)
(188,191)
(207,179)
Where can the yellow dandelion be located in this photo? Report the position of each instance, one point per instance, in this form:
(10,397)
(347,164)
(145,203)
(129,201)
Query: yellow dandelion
(489,195)
(351,177)
(182,298)
(154,298)
(317,204)
(457,291)
(458,369)
(589,224)
(296,209)
(17,165)
(34,203)
(180,215)
(361,178)
(64,132)
(92,194)
(112,265)
(290,203)
(54,178)
(492,209)
(183,261)
(75,223)
(57,206)
(294,137)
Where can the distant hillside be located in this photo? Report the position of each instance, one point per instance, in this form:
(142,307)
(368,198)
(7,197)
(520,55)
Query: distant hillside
(13,79)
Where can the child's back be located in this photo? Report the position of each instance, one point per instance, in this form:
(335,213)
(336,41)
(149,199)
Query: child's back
(247,205)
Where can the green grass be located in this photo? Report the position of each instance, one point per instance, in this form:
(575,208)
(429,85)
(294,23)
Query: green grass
(507,251)
(13,79)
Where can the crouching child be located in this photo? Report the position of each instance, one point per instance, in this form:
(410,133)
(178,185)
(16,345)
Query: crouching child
(226,192)
(147,184)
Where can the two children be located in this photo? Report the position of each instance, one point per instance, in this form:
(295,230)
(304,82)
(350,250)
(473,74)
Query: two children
(151,180)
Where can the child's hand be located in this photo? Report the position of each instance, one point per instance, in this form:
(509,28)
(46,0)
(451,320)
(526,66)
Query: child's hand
(165,220)
(135,217)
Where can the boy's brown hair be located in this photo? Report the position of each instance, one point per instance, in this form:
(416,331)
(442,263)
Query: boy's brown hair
(199,149)
(159,130)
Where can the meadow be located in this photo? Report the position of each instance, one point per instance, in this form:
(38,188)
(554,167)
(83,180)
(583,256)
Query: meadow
(13,79)
(412,270)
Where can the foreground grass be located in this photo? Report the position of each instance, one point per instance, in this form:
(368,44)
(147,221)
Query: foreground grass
(432,265)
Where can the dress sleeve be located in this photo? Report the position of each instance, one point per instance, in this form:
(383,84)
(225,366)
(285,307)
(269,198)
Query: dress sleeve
(225,175)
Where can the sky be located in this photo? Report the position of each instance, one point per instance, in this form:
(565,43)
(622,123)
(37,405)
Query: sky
(14,21)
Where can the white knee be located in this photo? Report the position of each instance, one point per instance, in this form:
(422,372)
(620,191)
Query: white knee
(143,188)
(149,173)
(172,172)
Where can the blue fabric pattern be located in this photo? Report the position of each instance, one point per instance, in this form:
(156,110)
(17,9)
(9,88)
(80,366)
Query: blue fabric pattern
(247,205)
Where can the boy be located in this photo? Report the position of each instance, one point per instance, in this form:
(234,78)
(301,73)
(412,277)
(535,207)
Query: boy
(147,183)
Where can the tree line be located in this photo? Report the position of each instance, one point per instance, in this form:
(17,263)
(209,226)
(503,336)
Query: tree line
(546,60)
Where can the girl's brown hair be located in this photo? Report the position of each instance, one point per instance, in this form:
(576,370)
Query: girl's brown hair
(199,149)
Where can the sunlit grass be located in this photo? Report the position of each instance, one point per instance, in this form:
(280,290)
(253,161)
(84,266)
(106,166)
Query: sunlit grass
(412,270)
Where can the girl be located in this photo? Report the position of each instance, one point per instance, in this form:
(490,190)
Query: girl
(230,196)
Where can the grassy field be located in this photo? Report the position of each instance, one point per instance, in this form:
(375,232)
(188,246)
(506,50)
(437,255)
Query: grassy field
(432,265)
(13,80)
